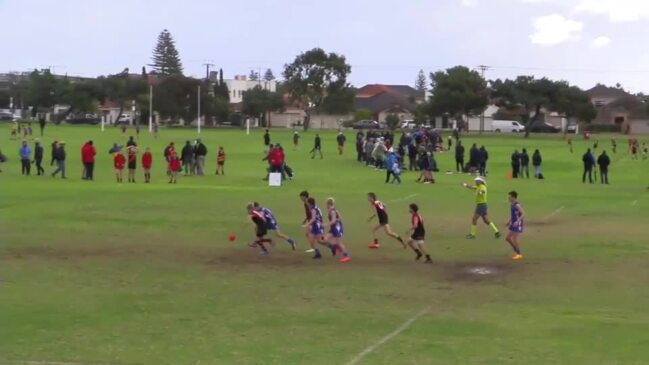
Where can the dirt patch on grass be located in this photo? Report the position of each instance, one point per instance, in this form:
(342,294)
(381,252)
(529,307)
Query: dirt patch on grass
(478,271)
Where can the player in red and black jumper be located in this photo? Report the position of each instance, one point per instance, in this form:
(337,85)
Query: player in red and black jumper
(304,197)
(378,210)
(416,241)
(261,229)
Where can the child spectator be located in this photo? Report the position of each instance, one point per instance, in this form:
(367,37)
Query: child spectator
(220,161)
(147,162)
(118,162)
(132,163)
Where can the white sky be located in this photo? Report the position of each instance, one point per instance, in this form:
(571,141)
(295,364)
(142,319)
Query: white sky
(385,41)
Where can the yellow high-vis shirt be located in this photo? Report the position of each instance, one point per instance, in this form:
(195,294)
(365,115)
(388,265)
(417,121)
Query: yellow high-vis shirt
(481,194)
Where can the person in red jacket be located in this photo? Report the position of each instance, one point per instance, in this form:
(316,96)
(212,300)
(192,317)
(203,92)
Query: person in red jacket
(132,163)
(147,162)
(88,153)
(119,161)
(173,165)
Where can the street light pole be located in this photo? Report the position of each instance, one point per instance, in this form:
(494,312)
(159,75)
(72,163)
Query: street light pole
(150,108)
(199,109)
(482,69)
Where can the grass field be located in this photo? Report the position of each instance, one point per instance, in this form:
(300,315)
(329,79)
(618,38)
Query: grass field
(101,273)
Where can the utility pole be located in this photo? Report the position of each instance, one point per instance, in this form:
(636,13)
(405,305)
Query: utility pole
(482,69)
(207,65)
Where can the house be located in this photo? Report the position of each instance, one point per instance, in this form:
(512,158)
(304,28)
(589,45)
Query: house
(617,107)
(240,84)
(382,100)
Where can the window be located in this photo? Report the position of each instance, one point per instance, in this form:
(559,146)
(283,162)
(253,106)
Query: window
(240,93)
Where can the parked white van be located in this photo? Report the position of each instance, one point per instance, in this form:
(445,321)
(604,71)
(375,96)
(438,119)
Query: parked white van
(509,126)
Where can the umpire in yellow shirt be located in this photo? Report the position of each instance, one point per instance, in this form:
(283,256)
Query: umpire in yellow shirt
(480,189)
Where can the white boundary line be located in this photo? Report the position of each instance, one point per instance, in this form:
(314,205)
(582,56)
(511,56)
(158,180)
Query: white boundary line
(554,213)
(404,198)
(389,336)
(36,362)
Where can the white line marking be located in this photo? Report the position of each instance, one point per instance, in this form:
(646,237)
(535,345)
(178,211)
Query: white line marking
(36,362)
(405,198)
(554,213)
(389,336)
(634,202)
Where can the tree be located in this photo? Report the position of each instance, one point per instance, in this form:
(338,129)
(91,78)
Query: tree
(176,98)
(81,97)
(166,60)
(457,91)
(363,114)
(121,88)
(533,96)
(392,121)
(268,75)
(41,90)
(339,101)
(254,75)
(259,102)
(313,76)
(420,83)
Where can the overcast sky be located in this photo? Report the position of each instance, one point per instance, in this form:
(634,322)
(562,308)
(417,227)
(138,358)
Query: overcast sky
(385,41)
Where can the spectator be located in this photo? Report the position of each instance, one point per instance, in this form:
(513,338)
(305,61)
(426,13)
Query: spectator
(59,158)
(378,153)
(114,149)
(88,153)
(603,161)
(296,140)
(173,165)
(220,161)
(3,159)
(147,162)
(38,158)
(589,163)
(341,142)
(131,142)
(390,159)
(266,141)
(25,158)
(201,152)
(525,164)
(187,157)
(54,146)
(167,153)
(483,157)
(360,156)
(459,157)
(536,162)
(368,148)
(317,147)
(137,130)
(156,128)
(516,164)
(474,157)
(41,123)
(132,163)
(450,142)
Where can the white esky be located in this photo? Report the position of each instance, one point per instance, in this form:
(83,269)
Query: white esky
(385,41)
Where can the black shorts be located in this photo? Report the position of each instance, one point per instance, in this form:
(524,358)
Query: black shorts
(261,232)
(418,236)
(383,219)
(132,165)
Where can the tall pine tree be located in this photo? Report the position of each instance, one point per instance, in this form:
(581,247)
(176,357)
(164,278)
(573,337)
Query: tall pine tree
(420,83)
(166,60)
(268,76)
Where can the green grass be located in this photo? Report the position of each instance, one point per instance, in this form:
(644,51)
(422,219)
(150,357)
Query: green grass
(96,272)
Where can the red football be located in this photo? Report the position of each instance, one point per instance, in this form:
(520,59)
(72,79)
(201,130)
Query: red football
(232,237)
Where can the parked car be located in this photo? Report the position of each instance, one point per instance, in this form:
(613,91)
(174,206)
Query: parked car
(124,119)
(507,126)
(408,124)
(543,127)
(366,124)
(83,119)
(572,128)
(8,117)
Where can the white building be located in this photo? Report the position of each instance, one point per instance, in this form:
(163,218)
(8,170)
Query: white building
(240,84)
